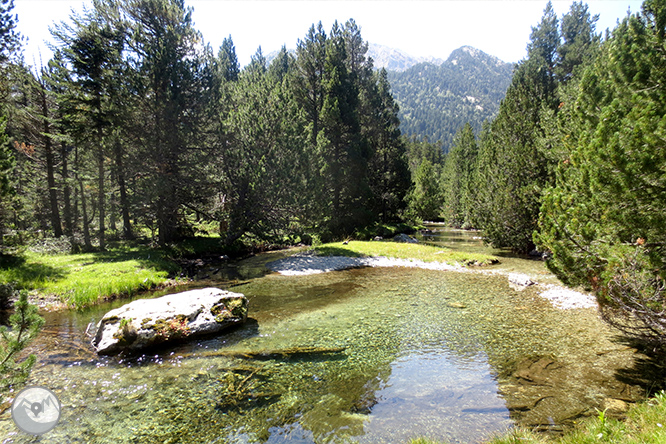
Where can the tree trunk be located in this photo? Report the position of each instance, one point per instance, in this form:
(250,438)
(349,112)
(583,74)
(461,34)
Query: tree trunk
(100,195)
(50,168)
(124,202)
(67,210)
(84,210)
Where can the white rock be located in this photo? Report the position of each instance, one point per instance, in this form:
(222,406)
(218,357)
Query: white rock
(147,322)
(521,280)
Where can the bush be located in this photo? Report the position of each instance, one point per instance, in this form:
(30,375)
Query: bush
(633,300)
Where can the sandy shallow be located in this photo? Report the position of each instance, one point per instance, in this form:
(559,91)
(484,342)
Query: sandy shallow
(305,264)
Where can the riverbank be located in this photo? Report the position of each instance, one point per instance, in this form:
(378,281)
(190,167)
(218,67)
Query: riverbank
(339,256)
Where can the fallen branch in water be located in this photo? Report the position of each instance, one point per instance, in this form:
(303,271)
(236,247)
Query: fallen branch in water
(294,352)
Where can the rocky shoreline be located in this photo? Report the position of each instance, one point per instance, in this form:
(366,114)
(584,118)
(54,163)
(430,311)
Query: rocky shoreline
(308,263)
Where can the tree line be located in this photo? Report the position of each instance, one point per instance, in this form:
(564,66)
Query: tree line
(573,165)
(137,127)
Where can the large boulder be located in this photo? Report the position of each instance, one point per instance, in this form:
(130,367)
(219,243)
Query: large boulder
(147,322)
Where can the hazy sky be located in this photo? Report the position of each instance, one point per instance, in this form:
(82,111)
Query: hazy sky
(420,28)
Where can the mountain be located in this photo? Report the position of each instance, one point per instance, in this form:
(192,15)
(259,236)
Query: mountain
(436,100)
(396,60)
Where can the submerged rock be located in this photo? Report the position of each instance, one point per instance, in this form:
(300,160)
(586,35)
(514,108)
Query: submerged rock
(147,322)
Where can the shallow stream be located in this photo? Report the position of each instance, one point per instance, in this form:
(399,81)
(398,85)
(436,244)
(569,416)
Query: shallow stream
(451,356)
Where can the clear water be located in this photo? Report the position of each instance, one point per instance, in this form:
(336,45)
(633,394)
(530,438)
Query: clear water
(455,357)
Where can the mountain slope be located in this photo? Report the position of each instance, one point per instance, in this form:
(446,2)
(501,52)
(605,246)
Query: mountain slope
(435,101)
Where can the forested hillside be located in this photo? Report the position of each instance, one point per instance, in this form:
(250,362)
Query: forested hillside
(436,101)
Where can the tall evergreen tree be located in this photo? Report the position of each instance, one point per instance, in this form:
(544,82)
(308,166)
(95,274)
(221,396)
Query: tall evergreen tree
(34,133)
(516,158)
(311,58)
(94,49)
(604,221)
(170,85)
(9,38)
(342,151)
(262,159)
(389,175)
(425,201)
(9,43)
(458,178)
(227,60)
(579,40)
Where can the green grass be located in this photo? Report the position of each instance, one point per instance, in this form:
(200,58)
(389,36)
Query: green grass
(426,253)
(645,423)
(83,279)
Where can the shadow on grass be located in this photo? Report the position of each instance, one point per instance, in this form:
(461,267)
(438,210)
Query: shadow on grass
(27,275)
(146,257)
(161,259)
(337,251)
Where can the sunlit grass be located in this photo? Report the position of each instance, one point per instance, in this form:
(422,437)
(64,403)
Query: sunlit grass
(83,279)
(423,252)
(645,423)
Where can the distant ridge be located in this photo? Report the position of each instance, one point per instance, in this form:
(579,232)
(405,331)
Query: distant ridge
(437,100)
(383,57)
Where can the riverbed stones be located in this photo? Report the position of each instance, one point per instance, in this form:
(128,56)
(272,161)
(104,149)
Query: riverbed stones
(521,280)
(148,322)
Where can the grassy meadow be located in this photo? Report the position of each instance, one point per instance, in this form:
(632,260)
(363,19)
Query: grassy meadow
(79,280)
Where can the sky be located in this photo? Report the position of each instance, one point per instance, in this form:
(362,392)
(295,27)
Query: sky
(431,28)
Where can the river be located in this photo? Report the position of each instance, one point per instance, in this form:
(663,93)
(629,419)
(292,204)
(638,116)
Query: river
(451,356)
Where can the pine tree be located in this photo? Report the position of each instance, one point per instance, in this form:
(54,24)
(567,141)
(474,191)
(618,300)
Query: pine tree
(9,39)
(7,163)
(25,324)
(518,156)
(227,61)
(93,46)
(579,41)
(262,160)
(311,57)
(340,146)
(389,175)
(425,201)
(604,221)
(457,178)
(171,81)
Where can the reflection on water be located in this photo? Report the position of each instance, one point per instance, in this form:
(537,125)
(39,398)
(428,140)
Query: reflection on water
(450,356)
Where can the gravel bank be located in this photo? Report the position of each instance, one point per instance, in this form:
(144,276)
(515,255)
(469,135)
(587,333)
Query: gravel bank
(304,264)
